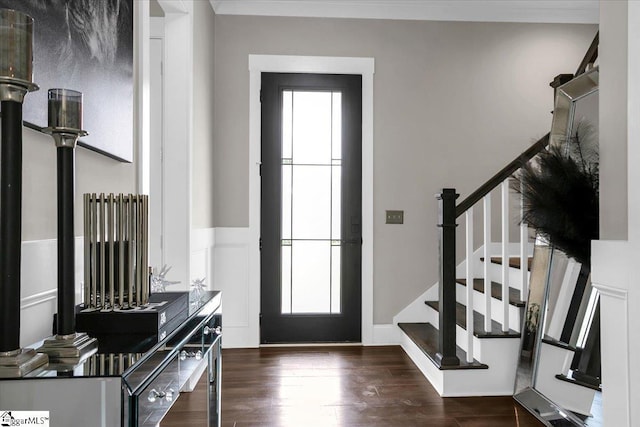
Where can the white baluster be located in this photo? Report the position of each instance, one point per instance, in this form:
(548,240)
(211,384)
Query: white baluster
(505,255)
(524,255)
(487,262)
(469,250)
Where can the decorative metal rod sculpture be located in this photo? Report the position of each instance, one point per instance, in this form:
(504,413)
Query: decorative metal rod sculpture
(65,126)
(116,251)
(16,80)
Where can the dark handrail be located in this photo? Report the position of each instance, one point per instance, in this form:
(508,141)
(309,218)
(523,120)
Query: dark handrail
(446,212)
(590,56)
(505,173)
(484,189)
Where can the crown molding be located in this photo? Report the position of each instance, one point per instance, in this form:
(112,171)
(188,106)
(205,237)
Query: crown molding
(534,11)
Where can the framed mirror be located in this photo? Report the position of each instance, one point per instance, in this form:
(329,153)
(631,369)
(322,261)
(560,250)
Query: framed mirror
(558,377)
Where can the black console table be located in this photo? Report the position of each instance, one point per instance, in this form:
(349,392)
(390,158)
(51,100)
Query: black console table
(131,380)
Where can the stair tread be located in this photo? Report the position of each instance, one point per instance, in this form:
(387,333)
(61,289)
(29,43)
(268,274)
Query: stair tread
(514,262)
(425,336)
(478,323)
(570,379)
(496,291)
(556,343)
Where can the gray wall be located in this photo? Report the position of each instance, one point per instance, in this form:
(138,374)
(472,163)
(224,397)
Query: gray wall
(155,9)
(453,103)
(613,108)
(203,116)
(94,173)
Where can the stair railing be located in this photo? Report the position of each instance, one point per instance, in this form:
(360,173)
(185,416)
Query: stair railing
(448,212)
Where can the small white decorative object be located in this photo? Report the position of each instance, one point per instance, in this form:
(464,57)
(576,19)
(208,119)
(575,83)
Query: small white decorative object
(159,282)
(197,289)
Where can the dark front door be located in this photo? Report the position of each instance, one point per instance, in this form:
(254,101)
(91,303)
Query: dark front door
(311,208)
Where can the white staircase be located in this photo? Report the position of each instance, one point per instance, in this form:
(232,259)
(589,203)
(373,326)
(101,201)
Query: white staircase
(495,352)
(488,314)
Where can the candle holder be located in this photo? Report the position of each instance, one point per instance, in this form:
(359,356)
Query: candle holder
(16,80)
(116,253)
(67,347)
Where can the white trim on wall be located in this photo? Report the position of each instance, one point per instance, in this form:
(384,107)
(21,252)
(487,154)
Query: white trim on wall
(310,64)
(385,334)
(177,138)
(556,11)
(142,112)
(617,396)
(613,276)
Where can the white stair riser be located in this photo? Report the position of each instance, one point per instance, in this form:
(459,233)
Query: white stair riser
(461,336)
(501,355)
(574,397)
(496,307)
(515,279)
(431,316)
(495,381)
(426,366)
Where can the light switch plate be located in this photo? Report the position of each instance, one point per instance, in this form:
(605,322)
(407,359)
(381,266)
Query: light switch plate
(394,217)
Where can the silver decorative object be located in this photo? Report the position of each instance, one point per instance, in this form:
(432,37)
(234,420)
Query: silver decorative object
(159,281)
(198,287)
(67,348)
(16,80)
(16,55)
(111,364)
(116,251)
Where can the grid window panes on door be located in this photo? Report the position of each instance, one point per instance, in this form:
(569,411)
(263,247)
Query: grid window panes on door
(311,191)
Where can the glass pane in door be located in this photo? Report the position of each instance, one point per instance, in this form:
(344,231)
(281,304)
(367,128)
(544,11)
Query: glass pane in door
(311,194)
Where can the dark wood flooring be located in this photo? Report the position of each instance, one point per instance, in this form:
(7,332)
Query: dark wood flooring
(338,386)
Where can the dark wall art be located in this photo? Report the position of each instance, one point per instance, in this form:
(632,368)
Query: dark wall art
(85,45)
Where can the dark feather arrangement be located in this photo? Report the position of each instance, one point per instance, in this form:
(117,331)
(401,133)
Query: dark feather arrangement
(560,194)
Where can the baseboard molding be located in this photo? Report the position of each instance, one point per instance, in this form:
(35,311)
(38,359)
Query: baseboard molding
(385,334)
(237,337)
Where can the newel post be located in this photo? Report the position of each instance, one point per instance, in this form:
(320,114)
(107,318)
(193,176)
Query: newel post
(446,355)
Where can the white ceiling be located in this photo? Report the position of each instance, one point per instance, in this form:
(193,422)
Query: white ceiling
(551,11)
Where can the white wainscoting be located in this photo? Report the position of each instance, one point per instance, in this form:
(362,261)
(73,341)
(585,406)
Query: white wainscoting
(241,305)
(231,276)
(39,287)
(220,255)
(38,290)
(39,280)
(202,250)
(613,274)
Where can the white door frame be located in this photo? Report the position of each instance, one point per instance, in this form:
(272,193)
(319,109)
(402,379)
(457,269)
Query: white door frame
(321,65)
(177,139)
(155,179)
